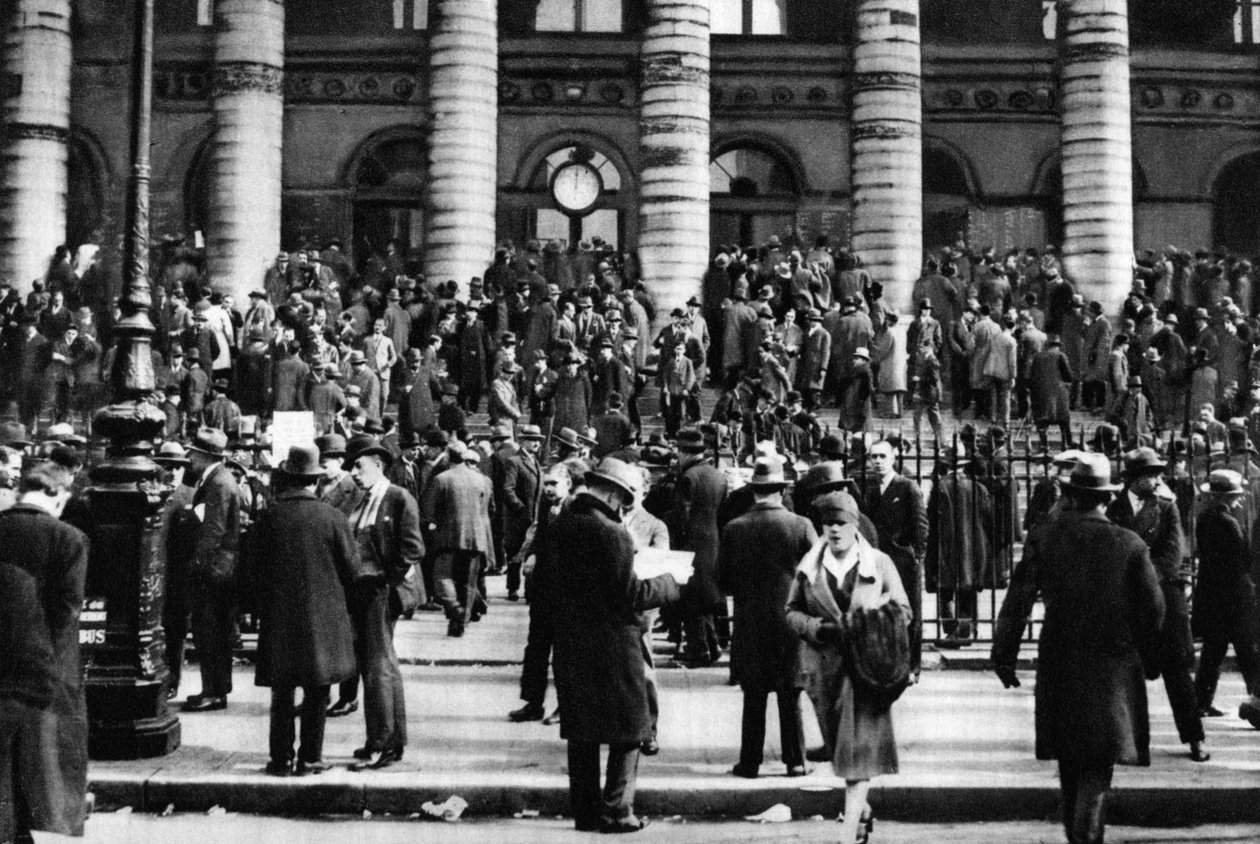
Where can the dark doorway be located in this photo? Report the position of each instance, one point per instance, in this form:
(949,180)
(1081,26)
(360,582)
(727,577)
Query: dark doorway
(376,223)
(1236,206)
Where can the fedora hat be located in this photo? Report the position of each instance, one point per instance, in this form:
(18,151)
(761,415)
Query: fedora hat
(501,431)
(171,454)
(1143,460)
(814,315)
(568,438)
(615,473)
(587,438)
(209,441)
(530,432)
(364,445)
(331,445)
(1067,458)
(1224,482)
(768,473)
(862,352)
(302,464)
(356,357)
(1093,473)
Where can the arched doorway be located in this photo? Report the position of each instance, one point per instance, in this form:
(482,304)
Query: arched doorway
(1236,205)
(754,193)
(389,179)
(85,197)
(947,197)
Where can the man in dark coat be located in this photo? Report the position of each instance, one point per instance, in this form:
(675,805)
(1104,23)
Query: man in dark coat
(1103,611)
(304,639)
(49,752)
(1154,518)
(959,561)
(811,373)
(1049,387)
(1224,594)
(698,496)
(521,489)
(475,352)
(895,505)
(759,555)
(216,502)
(594,600)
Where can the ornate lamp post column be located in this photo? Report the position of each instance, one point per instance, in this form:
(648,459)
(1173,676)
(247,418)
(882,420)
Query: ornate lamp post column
(35,91)
(243,232)
(463,143)
(1097,148)
(126,675)
(888,146)
(674,146)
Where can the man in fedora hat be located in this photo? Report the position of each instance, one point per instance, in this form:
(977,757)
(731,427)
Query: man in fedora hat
(521,489)
(1224,593)
(216,502)
(386,527)
(811,372)
(593,600)
(180,526)
(760,551)
(366,380)
(304,638)
(1098,586)
(698,497)
(1149,509)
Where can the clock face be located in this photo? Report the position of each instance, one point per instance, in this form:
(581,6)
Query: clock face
(576,187)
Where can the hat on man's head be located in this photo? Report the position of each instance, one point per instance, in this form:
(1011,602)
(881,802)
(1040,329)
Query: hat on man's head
(501,431)
(1143,461)
(1093,473)
(258,294)
(1135,381)
(862,352)
(193,355)
(925,304)
(768,473)
(450,390)
(366,445)
(529,432)
(1067,458)
(691,440)
(1224,482)
(693,302)
(209,441)
(331,445)
(356,357)
(171,454)
(568,438)
(783,271)
(221,384)
(436,438)
(331,370)
(507,338)
(302,464)
(615,474)
(813,315)
(354,390)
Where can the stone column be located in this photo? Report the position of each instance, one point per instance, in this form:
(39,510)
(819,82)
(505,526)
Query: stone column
(888,146)
(243,230)
(674,149)
(1097,148)
(35,87)
(463,140)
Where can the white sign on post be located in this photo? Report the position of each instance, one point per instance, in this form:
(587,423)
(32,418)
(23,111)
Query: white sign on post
(290,428)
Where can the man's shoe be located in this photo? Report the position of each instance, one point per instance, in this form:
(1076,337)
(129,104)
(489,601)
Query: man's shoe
(799,770)
(455,630)
(343,707)
(430,606)
(553,718)
(204,703)
(1198,752)
(1210,711)
(631,824)
(1249,711)
(953,642)
(278,769)
(310,769)
(744,772)
(817,754)
(528,712)
(651,747)
(514,596)
(379,759)
(362,753)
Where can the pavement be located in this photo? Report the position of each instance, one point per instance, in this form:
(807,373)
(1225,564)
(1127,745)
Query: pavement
(965,745)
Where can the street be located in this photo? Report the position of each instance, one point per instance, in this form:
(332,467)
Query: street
(202,829)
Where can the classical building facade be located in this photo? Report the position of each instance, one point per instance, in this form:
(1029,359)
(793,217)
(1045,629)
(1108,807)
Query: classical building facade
(890,125)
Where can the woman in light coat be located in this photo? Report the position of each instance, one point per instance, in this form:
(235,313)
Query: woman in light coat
(841,573)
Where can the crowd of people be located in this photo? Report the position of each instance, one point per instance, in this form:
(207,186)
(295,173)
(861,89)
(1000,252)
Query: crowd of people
(817,530)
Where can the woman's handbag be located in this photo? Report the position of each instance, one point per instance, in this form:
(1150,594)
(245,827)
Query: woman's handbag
(877,652)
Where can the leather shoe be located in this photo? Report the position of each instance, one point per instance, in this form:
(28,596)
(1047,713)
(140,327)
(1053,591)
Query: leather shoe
(379,759)
(1198,752)
(1210,711)
(455,630)
(631,824)
(650,747)
(553,718)
(528,712)
(817,754)
(342,707)
(514,596)
(799,771)
(278,769)
(306,769)
(204,703)
(744,772)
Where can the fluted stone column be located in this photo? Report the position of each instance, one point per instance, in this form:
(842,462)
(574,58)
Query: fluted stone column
(1097,148)
(463,141)
(887,139)
(674,150)
(243,229)
(35,88)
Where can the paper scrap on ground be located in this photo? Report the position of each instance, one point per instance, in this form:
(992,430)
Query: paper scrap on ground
(778,813)
(449,811)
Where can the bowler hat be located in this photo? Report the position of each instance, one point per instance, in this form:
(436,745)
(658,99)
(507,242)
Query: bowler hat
(614,473)
(364,445)
(302,463)
(209,441)
(436,438)
(258,294)
(331,445)
(1143,461)
(1224,482)
(1135,380)
(1096,307)
(1093,473)
(193,354)
(925,304)
(813,315)
(693,302)
(691,440)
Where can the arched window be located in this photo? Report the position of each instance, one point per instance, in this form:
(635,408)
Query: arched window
(946,197)
(602,219)
(1236,205)
(389,179)
(754,193)
(579,16)
(749,171)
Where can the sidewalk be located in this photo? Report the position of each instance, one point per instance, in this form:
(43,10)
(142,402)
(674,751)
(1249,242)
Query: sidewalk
(965,745)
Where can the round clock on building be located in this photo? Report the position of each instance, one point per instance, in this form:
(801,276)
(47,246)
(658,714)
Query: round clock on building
(576,186)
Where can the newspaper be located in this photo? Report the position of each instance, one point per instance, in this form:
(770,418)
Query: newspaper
(652,562)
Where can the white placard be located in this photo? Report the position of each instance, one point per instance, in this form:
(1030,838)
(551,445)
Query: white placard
(290,428)
(652,562)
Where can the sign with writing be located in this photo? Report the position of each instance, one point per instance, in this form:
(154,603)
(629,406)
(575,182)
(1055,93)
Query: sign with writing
(1006,228)
(92,620)
(290,428)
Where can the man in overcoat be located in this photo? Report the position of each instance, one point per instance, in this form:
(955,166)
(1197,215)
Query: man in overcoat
(1049,386)
(521,490)
(895,504)
(594,601)
(698,496)
(811,373)
(1103,610)
(216,502)
(311,559)
(386,527)
(959,561)
(462,499)
(760,551)
(1154,518)
(50,743)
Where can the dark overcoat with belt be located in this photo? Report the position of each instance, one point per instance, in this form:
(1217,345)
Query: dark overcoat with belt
(1103,610)
(759,554)
(593,600)
(1224,592)
(308,558)
(698,495)
(1159,526)
(51,752)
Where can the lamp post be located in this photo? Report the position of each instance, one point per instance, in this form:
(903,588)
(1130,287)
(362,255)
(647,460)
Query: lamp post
(127,675)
